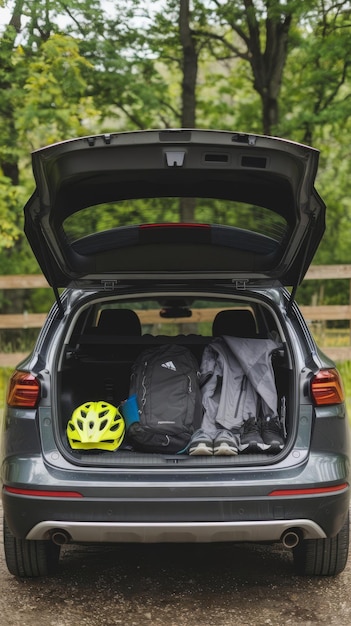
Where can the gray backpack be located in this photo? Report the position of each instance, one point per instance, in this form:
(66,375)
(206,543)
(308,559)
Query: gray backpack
(166,382)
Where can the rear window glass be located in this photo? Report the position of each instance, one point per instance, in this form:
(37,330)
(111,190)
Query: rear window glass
(171,315)
(104,217)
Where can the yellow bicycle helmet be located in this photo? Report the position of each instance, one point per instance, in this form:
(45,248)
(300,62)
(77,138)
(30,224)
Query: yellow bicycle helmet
(96,426)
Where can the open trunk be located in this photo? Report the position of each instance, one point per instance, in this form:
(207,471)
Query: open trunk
(97,358)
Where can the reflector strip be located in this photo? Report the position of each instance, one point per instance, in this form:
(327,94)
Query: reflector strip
(309,491)
(42,493)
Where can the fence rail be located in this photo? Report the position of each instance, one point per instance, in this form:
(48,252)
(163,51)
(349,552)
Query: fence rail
(313,313)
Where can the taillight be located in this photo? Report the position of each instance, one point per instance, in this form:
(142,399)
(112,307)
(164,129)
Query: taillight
(327,387)
(23,390)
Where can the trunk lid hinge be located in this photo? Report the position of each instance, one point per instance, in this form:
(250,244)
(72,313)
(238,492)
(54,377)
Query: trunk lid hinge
(109,285)
(241,284)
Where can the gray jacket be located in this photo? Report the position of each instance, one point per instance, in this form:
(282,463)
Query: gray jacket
(237,381)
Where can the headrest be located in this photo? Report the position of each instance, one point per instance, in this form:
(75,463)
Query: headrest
(235,323)
(119,322)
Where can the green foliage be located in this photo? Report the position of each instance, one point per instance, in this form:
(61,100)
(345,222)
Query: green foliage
(55,103)
(344,368)
(11,198)
(316,89)
(5,374)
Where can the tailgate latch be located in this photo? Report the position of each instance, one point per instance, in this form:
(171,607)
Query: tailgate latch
(175,159)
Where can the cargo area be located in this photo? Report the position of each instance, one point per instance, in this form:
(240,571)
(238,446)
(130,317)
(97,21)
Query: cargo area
(107,338)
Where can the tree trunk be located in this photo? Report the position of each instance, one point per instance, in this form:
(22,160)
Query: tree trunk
(189,66)
(268,66)
(188,94)
(270,113)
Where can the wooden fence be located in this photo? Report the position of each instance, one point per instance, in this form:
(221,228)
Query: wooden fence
(314,313)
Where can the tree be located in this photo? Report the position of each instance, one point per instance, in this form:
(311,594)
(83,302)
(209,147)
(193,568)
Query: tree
(40,78)
(259,36)
(189,66)
(9,95)
(55,104)
(316,94)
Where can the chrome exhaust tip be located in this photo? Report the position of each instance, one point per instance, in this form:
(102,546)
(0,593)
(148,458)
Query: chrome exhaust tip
(291,538)
(60,537)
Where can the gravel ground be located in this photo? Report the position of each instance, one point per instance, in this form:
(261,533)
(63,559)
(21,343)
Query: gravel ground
(175,585)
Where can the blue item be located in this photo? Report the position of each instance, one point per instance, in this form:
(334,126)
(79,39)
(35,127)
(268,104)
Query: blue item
(130,411)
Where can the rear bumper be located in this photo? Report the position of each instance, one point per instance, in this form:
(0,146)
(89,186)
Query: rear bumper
(176,514)
(181,532)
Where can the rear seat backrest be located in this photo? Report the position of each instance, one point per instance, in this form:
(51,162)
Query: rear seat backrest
(235,323)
